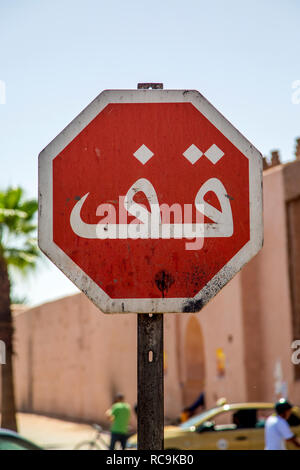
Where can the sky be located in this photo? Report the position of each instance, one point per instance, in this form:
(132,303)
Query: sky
(56,56)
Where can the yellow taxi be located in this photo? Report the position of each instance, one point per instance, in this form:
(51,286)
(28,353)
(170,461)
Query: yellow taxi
(237,426)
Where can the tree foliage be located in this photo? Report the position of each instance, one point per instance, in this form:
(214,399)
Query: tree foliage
(18,245)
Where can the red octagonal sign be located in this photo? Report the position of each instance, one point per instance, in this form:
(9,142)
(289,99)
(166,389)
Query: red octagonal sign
(150,201)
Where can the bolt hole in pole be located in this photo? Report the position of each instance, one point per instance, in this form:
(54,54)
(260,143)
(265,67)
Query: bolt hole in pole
(150,356)
(150,369)
(150,412)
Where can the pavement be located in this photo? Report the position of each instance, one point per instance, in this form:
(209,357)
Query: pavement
(52,433)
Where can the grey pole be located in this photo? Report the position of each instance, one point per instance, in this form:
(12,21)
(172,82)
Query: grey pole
(150,368)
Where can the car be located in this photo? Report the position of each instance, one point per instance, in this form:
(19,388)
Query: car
(236,426)
(10,440)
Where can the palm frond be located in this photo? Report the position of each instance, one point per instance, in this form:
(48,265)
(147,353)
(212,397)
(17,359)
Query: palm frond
(19,249)
(17,300)
(29,207)
(17,214)
(10,198)
(7,213)
(23,259)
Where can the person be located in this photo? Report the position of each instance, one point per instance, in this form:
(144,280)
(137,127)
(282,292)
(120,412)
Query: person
(119,415)
(190,410)
(277,429)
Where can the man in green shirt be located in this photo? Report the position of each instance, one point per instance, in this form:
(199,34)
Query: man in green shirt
(119,415)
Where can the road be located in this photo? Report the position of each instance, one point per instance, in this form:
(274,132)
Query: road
(52,433)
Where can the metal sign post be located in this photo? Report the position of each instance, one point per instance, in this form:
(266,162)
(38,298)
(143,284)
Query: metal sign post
(150,351)
(150,382)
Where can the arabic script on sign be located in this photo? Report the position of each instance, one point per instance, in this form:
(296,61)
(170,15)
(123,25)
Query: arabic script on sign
(152,224)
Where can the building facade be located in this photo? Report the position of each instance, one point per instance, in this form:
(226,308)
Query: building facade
(71,359)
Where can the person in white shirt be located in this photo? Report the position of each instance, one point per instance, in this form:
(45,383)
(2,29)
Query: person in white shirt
(277,429)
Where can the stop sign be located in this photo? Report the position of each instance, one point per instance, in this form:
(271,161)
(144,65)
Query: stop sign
(150,201)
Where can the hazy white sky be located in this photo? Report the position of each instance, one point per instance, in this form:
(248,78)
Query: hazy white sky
(57,55)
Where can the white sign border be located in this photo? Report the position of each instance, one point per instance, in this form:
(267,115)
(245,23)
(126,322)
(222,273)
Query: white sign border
(75,273)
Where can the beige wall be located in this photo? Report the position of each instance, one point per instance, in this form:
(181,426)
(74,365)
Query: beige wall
(267,297)
(71,358)
(75,358)
(274,298)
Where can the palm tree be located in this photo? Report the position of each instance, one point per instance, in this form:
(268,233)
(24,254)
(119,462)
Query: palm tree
(18,250)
